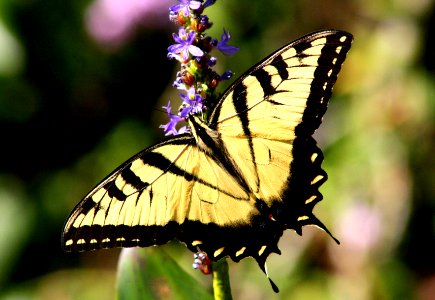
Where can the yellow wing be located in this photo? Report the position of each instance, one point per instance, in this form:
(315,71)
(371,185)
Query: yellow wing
(144,201)
(271,112)
(236,182)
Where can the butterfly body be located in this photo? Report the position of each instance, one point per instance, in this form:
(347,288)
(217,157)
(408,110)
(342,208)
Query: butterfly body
(236,181)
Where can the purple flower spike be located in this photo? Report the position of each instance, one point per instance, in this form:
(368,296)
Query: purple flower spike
(184,46)
(196,79)
(223,47)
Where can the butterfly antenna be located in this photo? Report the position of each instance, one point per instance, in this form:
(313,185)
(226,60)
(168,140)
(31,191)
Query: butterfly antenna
(159,109)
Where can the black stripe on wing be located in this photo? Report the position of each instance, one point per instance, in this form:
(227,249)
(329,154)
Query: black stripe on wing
(241,107)
(330,60)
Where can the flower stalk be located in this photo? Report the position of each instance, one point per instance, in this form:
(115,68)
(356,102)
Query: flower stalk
(221,280)
(220,274)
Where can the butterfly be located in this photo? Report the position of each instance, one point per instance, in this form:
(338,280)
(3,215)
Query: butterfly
(236,181)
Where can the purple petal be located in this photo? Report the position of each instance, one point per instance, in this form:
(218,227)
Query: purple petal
(208,3)
(168,108)
(184,97)
(195,5)
(176,48)
(178,37)
(223,47)
(191,91)
(190,37)
(185,54)
(176,56)
(170,127)
(183,129)
(179,84)
(185,111)
(225,37)
(195,51)
(228,50)
(176,8)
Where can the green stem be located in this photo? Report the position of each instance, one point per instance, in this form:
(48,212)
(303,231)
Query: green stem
(221,280)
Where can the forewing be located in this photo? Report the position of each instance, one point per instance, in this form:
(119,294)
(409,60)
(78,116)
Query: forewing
(154,196)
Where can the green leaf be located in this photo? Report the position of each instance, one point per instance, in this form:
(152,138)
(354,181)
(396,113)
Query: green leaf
(150,273)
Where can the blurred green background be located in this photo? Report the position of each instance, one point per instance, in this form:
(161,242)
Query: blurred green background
(80,82)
